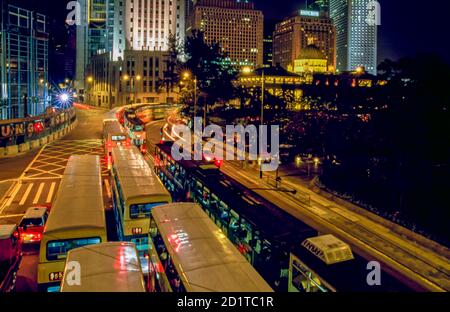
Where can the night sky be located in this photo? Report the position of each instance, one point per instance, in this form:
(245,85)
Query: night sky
(408,26)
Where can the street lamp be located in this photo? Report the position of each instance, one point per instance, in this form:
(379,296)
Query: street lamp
(248,70)
(187,75)
(132,80)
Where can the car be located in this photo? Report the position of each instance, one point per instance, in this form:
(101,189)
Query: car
(32,224)
(10,256)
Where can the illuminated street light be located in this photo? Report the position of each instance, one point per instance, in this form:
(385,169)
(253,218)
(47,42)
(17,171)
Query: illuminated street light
(247,70)
(90,79)
(64,97)
(138,77)
(126,77)
(186,75)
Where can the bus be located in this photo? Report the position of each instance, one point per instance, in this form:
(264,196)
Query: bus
(105,267)
(189,253)
(113,135)
(135,127)
(262,232)
(77,218)
(136,191)
(327,264)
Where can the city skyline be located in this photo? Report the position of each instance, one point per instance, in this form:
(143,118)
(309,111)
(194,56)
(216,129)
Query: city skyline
(181,146)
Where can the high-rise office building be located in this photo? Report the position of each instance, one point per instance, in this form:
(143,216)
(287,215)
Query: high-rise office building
(269,27)
(23,62)
(150,23)
(304,29)
(93,35)
(235,25)
(356,38)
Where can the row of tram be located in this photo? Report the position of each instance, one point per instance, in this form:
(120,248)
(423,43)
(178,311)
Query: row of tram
(290,255)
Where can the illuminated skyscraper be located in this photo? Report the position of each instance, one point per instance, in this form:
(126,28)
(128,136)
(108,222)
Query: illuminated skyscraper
(235,25)
(356,37)
(297,32)
(23,62)
(149,23)
(92,35)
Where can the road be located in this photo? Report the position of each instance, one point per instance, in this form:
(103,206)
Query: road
(419,262)
(33,179)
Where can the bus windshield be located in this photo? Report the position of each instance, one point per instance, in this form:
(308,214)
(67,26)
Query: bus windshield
(139,211)
(58,249)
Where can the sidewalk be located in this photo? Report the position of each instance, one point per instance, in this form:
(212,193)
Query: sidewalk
(308,192)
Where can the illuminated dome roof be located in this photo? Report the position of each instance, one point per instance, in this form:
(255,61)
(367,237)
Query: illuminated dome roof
(311,52)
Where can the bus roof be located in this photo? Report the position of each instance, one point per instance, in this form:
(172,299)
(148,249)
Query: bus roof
(79,200)
(205,258)
(328,248)
(135,175)
(112,126)
(106,267)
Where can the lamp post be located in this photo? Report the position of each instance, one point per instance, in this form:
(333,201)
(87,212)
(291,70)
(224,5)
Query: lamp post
(248,70)
(187,75)
(133,80)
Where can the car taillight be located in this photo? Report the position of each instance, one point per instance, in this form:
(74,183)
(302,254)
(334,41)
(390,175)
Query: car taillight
(55,276)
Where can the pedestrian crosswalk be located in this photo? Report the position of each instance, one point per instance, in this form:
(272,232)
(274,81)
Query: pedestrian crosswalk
(28,193)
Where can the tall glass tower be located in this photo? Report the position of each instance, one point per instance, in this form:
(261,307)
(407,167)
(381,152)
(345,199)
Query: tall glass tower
(23,62)
(356,36)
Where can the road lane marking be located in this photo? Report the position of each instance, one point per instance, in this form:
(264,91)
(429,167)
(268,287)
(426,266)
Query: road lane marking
(25,195)
(13,194)
(108,190)
(50,192)
(38,194)
(12,216)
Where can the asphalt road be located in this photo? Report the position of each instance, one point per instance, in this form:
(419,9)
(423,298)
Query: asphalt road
(33,179)
(419,262)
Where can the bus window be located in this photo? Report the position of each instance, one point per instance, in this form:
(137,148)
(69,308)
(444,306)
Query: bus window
(58,249)
(139,211)
(304,280)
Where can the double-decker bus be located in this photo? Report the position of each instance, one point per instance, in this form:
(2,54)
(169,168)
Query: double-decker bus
(263,233)
(77,218)
(134,127)
(105,267)
(189,253)
(327,264)
(113,135)
(136,191)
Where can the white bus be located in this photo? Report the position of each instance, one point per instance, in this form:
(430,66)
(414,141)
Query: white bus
(77,218)
(189,253)
(105,267)
(136,191)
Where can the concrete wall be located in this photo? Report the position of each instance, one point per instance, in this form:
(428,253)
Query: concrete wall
(14,150)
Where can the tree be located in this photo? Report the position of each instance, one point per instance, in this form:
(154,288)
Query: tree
(210,66)
(173,63)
